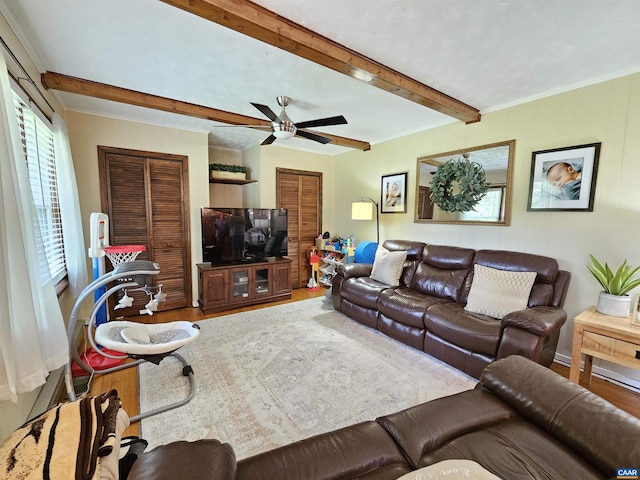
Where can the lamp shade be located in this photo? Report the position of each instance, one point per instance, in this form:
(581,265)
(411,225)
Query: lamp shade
(361,211)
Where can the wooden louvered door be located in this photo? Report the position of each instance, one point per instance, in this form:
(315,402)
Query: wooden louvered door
(300,192)
(145,196)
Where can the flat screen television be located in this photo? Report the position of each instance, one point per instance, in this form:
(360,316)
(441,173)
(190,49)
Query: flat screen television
(243,235)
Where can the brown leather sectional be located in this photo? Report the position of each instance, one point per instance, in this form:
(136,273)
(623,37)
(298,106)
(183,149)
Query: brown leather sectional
(522,421)
(426,311)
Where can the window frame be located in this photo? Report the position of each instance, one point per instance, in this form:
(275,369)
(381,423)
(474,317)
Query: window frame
(37,140)
(500,190)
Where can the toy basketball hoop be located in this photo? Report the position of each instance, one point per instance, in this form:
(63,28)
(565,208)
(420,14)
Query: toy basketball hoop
(118,254)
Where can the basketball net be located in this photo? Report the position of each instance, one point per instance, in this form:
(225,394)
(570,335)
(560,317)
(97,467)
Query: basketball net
(123,253)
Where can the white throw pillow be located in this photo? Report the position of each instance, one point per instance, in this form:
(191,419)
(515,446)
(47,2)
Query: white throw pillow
(499,292)
(387,266)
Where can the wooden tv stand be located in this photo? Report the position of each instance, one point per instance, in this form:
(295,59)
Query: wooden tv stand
(224,287)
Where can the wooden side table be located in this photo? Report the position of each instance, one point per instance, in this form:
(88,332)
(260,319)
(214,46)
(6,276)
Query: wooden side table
(614,339)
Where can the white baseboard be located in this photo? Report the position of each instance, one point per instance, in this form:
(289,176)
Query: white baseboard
(613,377)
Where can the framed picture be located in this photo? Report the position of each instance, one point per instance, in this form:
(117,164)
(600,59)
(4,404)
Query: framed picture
(635,320)
(394,193)
(564,179)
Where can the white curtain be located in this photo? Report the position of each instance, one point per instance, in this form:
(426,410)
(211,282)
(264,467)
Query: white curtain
(33,339)
(74,251)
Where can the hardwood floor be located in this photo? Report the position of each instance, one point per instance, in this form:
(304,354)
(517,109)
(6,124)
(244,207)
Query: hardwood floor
(126,381)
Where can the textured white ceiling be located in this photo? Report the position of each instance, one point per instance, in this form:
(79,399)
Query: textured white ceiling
(488,54)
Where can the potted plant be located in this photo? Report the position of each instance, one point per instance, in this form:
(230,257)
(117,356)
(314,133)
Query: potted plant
(220,171)
(613,300)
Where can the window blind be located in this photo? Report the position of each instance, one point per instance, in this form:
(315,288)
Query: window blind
(37,143)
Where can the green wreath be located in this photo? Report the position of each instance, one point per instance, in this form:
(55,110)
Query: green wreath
(471,182)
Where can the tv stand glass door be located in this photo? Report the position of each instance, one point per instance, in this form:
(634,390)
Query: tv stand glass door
(240,284)
(250,282)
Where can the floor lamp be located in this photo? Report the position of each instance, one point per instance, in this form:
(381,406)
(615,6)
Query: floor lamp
(362,210)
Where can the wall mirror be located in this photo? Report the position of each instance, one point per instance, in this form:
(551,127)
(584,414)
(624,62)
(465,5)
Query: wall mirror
(494,208)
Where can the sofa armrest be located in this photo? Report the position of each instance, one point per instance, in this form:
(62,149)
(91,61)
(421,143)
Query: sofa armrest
(203,459)
(542,321)
(354,270)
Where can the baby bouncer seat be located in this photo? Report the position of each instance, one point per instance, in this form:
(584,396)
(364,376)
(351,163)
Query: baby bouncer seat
(140,341)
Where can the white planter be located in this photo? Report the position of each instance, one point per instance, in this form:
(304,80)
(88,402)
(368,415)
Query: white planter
(614,305)
(224,175)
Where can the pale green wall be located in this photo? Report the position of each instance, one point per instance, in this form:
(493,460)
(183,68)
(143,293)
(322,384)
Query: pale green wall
(86,132)
(608,112)
(220,194)
(251,192)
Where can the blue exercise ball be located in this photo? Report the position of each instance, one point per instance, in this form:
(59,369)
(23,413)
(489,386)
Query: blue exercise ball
(366,252)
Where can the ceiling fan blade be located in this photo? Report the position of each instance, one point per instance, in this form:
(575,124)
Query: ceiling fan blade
(313,136)
(266,127)
(323,122)
(267,112)
(269,140)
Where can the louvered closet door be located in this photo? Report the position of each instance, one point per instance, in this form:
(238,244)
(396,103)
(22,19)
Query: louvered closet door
(169,225)
(145,197)
(300,192)
(127,204)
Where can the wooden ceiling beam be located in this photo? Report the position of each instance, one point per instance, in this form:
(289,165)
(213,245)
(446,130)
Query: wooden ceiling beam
(80,86)
(257,22)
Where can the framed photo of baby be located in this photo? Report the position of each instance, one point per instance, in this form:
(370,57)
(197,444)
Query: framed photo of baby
(394,193)
(564,179)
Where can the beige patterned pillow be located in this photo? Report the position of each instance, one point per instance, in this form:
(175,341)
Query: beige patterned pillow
(387,266)
(499,292)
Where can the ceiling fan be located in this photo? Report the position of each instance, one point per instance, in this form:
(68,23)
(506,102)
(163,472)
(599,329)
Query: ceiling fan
(282,127)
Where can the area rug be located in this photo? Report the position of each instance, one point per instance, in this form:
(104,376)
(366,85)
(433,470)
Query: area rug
(273,376)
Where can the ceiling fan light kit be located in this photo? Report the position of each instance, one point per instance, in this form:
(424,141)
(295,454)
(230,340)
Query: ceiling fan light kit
(283,131)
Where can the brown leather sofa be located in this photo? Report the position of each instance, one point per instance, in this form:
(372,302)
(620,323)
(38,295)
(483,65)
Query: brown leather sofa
(522,421)
(426,311)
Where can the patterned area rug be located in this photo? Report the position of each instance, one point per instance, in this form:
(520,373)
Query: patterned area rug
(273,376)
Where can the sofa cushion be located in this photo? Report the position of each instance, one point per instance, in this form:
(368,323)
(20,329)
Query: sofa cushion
(471,331)
(430,425)
(443,271)
(406,305)
(414,249)
(387,266)
(499,292)
(448,258)
(439,283)
(363,291)
(516,449)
